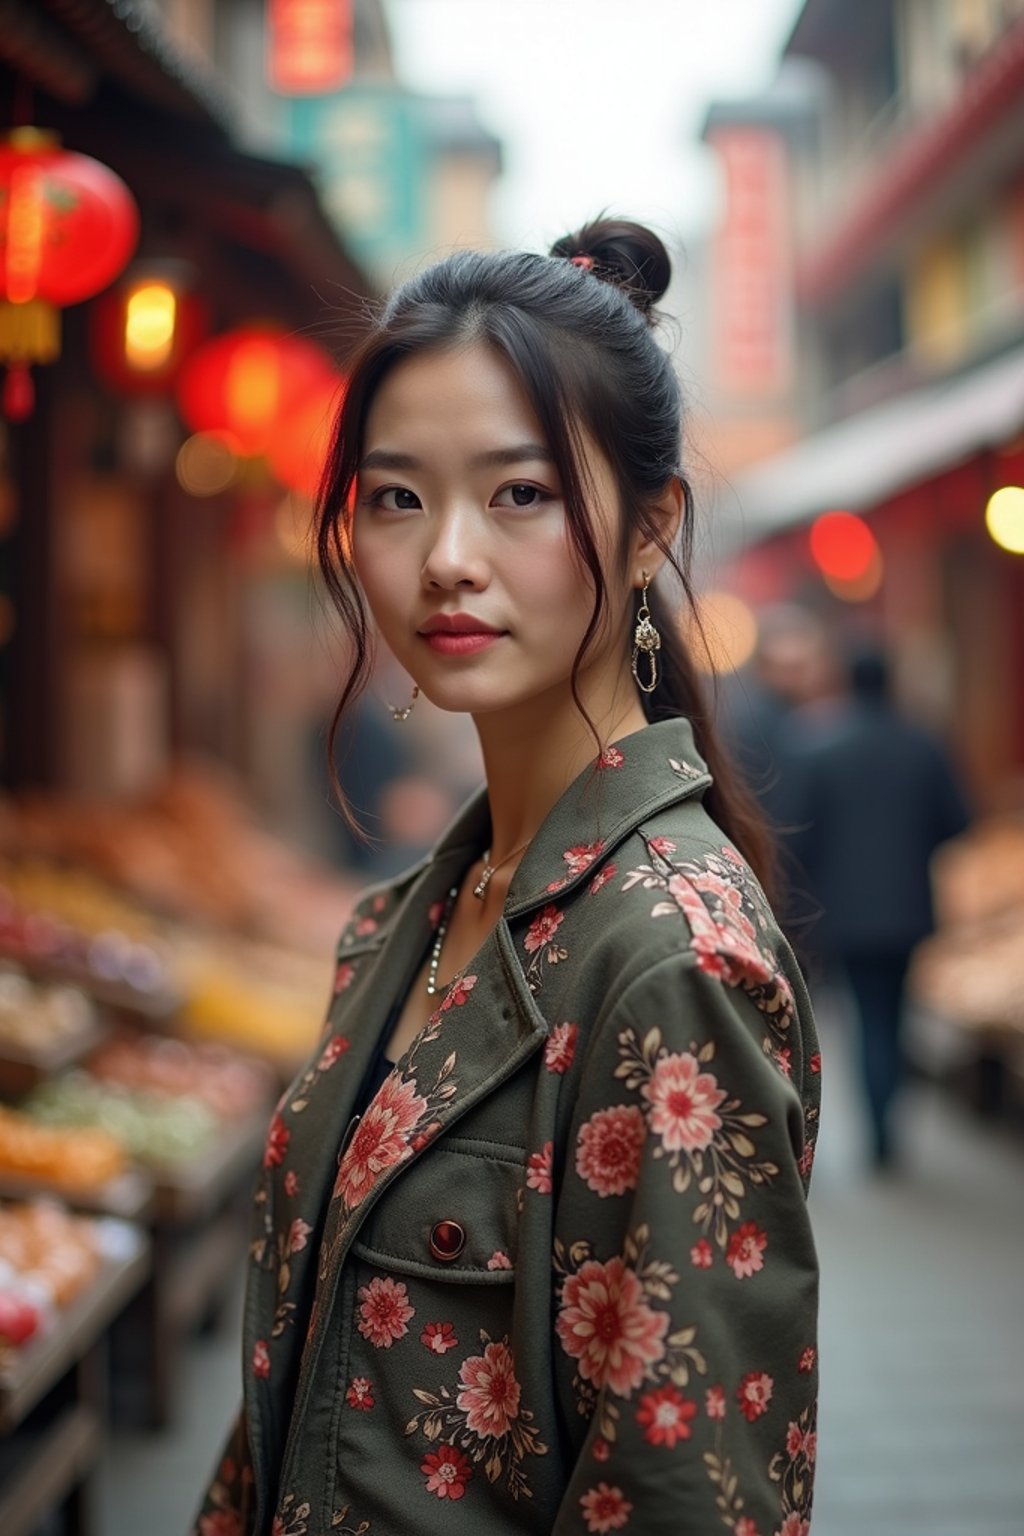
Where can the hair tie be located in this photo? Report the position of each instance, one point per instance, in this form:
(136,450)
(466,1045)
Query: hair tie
(586,262)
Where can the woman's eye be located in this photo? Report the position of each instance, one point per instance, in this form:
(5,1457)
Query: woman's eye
(521,496)
(394,498)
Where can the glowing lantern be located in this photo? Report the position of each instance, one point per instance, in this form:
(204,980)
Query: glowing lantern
(299,444)
(1004,518)
(248,381)
(142,330)
(842,545)
(846,553)
(67,227)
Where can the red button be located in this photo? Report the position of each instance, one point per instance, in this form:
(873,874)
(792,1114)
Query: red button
(447,1240)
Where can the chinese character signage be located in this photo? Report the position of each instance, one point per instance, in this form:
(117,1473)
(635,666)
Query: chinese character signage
(751,266)
(309,46)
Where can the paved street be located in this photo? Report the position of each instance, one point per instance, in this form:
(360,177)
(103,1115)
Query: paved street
(922,1340)
(922,1328)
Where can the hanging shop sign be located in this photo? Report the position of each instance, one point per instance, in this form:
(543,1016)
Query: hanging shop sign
(309,46)
(68,226)
(751,267)
(371,146)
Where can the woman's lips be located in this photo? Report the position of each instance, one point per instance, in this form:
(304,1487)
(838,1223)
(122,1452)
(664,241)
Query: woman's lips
(454,642)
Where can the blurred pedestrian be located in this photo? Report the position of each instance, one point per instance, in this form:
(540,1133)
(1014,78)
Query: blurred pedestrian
(532,1251)
(875,794)
(793,666)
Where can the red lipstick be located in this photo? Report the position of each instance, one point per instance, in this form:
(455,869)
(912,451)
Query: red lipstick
(458,634)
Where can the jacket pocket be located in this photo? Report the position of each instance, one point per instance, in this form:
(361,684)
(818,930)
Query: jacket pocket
(453,1215)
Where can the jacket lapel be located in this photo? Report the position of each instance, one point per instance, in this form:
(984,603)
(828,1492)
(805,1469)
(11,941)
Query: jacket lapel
(487,1025)
(631,780)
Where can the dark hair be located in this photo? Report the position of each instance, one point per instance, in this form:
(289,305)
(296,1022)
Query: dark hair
(578,338)
(870,677)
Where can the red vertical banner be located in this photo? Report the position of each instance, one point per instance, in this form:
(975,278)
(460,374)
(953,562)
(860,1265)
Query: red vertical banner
(752,285)
(309,46)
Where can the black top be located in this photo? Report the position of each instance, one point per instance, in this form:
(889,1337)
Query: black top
(379,1064)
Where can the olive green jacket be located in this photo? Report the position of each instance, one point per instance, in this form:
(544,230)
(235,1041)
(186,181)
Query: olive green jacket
(560,1276)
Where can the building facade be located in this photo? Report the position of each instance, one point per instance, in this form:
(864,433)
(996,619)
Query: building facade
(906,217)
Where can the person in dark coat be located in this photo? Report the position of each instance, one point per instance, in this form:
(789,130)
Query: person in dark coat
(793,667)
(877,795)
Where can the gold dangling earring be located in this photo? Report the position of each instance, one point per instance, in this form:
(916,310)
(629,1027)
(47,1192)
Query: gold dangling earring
(403,714)
(645,638)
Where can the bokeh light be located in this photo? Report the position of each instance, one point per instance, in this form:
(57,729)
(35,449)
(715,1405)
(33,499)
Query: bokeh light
(207,463)
(150,319)
(1004,518)
(842,546)
(858,589)
(730,630)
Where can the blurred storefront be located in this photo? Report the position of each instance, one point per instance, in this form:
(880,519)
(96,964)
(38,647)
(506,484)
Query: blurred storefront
(903,147)
(882,346)
(128,593)
(177,306)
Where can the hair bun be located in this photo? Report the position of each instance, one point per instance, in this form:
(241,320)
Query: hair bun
(627,255)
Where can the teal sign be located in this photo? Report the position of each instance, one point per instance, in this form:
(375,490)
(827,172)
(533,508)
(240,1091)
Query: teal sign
(369,146)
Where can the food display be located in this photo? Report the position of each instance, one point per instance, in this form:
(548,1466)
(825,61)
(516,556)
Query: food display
(47,1257)
(230,1084)
(73,1160)
(258,996)
(67,920)
(971,971)
(152,1127)
(975,975)
(193,852)
(980,875)
(36,1016)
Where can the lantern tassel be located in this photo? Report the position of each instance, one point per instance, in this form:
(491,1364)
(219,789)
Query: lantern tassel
(29,332)
(17,401)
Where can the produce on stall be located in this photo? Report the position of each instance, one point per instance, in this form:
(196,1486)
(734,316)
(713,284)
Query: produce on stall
(47,1257)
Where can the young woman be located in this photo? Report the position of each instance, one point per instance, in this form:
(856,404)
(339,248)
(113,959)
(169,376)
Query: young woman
(532,1251)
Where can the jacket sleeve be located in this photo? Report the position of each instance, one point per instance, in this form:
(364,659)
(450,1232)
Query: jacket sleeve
(686,1302)
(227,1508)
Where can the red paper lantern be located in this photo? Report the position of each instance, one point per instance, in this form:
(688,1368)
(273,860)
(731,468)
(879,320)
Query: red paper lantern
(142,330)
(300,441)
(248,381)
(68,226)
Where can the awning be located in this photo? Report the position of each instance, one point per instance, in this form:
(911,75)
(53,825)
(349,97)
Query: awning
(67,47)
(860,461)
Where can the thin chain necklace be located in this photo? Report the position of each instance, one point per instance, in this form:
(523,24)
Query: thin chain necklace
(480,889)
(435,953)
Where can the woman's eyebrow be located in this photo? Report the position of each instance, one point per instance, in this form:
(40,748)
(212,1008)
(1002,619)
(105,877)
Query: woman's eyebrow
(385,458)
(515,453)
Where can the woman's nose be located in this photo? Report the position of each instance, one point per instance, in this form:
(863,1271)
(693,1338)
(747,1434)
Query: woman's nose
(455,555)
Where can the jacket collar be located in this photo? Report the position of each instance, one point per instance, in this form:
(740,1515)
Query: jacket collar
(631,780)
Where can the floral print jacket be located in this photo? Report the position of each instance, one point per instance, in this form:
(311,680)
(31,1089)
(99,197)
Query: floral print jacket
(560,1276)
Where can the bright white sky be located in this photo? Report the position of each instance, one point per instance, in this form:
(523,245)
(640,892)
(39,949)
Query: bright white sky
(598,103)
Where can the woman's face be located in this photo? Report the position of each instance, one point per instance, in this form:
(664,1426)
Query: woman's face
(460,538)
